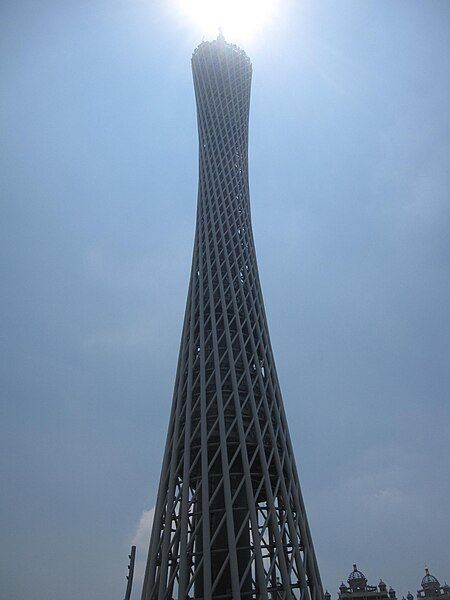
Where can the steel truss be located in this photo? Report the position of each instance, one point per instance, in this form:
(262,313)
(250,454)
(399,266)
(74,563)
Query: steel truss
(230,521)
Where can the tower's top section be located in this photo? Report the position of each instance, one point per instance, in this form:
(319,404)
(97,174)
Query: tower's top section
(220,45)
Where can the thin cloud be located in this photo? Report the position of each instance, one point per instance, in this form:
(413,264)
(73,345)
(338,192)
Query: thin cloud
(141,540)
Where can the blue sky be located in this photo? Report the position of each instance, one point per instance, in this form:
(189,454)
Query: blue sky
(349,173)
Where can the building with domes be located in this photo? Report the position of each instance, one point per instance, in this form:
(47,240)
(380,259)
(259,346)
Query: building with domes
(358,589)
(432,589)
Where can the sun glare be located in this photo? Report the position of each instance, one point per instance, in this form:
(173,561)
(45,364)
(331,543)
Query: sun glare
(239,20)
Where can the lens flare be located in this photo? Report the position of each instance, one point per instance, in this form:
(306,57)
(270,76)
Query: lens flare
(239,20)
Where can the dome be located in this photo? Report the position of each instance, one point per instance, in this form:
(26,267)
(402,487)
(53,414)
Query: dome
(429,580)
(355,574)
(357,580)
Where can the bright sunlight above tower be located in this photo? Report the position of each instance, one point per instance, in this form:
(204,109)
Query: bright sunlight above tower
(239,20)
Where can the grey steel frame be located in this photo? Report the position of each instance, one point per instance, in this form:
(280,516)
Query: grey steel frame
(230,521)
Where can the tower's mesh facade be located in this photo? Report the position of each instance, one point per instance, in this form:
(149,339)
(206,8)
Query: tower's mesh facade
(229,521)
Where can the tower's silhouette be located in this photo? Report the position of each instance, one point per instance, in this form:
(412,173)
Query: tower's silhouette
(229,521)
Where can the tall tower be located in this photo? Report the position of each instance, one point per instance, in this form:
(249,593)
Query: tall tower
(230,522)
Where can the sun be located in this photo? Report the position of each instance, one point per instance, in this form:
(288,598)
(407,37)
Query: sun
(239,20)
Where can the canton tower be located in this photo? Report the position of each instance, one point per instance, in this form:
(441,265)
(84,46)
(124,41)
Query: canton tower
(229,522)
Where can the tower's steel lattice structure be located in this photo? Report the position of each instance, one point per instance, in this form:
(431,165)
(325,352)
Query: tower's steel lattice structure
(230,521)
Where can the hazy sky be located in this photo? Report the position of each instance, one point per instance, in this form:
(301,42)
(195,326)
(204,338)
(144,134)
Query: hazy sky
(349,173)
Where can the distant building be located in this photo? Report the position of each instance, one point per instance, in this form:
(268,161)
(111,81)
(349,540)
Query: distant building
(358,589)
(431,589)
